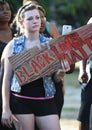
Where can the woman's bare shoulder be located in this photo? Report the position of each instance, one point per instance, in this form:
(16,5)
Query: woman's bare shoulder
(7,50)
(54,30)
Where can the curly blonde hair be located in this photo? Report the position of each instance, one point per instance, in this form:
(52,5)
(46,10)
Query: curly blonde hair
(29,6)
(32,1)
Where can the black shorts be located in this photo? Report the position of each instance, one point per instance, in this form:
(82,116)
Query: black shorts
(30,106)
(86,101)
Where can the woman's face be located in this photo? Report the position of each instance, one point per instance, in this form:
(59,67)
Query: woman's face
(32,20)
(5,12)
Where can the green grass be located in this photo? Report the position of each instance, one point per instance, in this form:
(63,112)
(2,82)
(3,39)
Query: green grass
(70,109)
(72,79)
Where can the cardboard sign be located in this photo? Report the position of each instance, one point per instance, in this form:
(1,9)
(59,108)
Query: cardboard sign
(37,62)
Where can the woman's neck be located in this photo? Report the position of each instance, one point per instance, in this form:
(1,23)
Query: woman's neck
(32,36)
(32,40)
(4,26)
(5,33)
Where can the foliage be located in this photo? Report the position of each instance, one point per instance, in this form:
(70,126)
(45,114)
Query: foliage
(72,79)
(14,5)
(75,13)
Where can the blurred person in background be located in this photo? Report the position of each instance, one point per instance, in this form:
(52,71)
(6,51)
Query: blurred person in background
(5,36)
(86,92)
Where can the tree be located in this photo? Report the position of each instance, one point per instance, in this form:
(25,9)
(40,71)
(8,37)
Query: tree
(76,13)
(73,12)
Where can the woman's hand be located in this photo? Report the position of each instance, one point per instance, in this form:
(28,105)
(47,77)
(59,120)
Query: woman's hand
(83,77)
(65,66)
(59,76)
(7,118)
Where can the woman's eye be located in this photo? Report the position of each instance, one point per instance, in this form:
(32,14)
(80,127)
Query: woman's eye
(37,17)
(1,8)
(30,18)
(42,17)
(8,9)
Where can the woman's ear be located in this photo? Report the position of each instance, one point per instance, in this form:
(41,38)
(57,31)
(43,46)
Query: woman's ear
(21,23)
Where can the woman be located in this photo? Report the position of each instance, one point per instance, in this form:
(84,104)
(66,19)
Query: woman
(48,29)
(6,35)
(32,101)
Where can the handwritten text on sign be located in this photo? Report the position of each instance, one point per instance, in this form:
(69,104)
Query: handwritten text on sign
(46,61)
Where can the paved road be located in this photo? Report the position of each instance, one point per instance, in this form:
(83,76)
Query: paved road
(71,103)
(70,110)
(69,124)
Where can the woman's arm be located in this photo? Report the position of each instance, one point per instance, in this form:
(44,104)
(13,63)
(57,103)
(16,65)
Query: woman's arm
(83,76)
(54,31)
(6,113)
